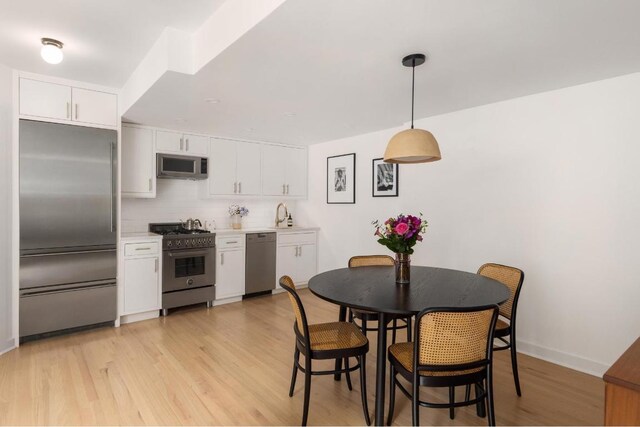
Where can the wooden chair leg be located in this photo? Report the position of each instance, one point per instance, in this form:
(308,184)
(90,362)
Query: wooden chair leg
(490,410)
(480,406)
(392,393)
(363,326)
(294,374)
(415,406)
(467,392)
(409,334)
(514,362)
(347,373)
(393,331)
(452,400)
(307,389)
(363,387)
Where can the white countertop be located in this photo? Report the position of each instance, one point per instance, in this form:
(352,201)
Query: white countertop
(223,231)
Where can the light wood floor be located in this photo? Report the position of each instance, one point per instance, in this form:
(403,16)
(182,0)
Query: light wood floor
(232,365)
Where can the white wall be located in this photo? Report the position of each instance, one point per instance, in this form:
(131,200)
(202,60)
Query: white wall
(179,199)
(549,183)
(6,118)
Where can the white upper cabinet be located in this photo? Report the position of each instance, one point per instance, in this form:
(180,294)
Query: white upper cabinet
(235,168)
(65,103)
(284,171)
(138,163)
(47,100)
(90,106)
(180,143)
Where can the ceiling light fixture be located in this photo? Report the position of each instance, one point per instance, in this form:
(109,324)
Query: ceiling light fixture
(212,101)
(412,145)
(290,114)
(51,50)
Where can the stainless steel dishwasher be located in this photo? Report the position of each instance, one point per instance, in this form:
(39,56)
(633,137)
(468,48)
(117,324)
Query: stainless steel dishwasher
(260,266)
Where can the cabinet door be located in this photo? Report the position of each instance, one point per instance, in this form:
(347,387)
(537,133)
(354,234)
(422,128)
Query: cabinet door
(287,263)
(296,172)
(91,106)
(273,175)
(141,285)
(222,167)
(169,142)
(45,99)
(196,145)
(306,263)
(138,166)
(248,171)
(230,273)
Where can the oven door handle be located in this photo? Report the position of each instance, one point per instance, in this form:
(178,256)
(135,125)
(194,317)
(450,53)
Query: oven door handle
(181,254)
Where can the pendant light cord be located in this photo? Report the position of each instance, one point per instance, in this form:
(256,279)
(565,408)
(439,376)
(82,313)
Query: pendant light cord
(413,88)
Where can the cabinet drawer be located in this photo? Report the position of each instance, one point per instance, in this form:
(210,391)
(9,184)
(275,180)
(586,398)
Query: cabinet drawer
(235,241)
(297,238)
(136,249)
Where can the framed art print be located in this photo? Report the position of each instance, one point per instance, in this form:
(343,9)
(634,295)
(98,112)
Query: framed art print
(341,178)
(384,179)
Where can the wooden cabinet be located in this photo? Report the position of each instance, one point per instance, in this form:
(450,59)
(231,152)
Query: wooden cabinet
(230,264)
(138,163)
(297,256)
(68,104)
(622,389)
(141,286)
(181,143)
(284,171)
(235,168)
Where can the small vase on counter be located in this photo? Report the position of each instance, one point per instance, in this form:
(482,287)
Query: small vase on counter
(236,222)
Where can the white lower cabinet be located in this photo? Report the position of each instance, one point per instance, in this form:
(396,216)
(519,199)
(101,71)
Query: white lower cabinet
(297,256)
(141,284)
(230,264)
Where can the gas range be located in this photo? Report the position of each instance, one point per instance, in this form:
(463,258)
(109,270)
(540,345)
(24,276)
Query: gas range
(188,265)
(177,237)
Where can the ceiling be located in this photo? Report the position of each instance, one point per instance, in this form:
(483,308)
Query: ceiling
(104,40)
(315,70)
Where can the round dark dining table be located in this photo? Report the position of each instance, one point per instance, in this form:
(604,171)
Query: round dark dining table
(374,289)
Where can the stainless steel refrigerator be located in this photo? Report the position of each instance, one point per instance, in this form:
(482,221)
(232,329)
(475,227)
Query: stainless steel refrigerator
(67,227)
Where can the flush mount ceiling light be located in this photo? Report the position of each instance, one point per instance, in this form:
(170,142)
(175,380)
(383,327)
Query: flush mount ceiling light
(51,51)
(412,145)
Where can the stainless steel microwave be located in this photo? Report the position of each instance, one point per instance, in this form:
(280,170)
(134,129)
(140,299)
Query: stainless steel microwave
(181,167)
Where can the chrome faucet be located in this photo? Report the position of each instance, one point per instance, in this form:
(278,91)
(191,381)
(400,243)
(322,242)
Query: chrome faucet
(286,214)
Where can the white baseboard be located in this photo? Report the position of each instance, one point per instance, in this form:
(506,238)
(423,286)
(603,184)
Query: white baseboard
(280,290)
(7,346)
(130,318)
(561,358)
(227,300)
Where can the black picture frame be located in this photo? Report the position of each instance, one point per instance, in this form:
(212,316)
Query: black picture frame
(341,179)
(392,174)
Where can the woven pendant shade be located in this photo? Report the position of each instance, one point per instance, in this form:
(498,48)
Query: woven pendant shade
(412,146)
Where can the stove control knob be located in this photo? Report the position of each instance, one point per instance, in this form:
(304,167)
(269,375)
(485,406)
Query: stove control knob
(178,243)
(169,243)
(187,242)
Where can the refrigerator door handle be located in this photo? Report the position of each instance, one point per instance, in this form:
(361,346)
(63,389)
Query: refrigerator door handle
(112,147)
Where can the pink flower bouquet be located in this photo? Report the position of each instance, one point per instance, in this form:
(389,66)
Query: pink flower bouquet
(402,233)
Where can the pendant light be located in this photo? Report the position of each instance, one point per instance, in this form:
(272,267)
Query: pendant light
(412,145)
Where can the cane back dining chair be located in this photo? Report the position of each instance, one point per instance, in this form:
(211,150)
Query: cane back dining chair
(333,340)
(512,278)
(366,316)
(452,347)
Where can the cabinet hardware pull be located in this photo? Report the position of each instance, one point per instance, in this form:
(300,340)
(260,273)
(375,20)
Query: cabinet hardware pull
(287,188)
(150,185)
(181,142)
(300,250)
(187,144)
(235,188)
(283,189)
(235,241)
(222,258)
(297,248)
(240,187)
(68,110)
(156,265)
(143,249)
(76,111)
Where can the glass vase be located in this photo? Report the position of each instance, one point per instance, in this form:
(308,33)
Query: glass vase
(236,222)
(403,268)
